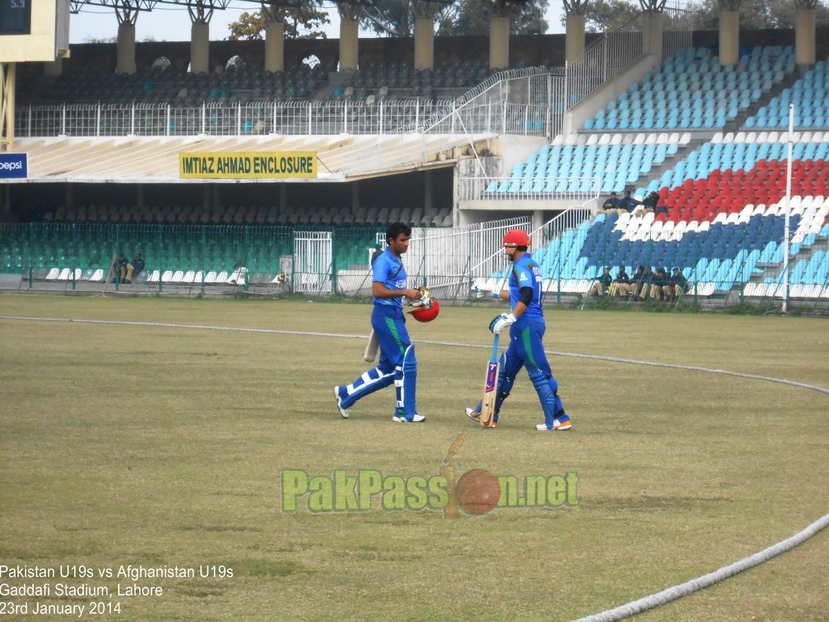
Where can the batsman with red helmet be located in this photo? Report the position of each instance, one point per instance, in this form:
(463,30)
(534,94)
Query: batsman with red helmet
(526,330)
(397,363)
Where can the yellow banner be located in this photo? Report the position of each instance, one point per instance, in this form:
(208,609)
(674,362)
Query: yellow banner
(258,165)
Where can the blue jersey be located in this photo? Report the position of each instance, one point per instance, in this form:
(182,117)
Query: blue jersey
(525,272)
(389,270)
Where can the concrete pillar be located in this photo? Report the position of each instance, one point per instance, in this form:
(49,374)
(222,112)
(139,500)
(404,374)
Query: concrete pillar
(729,38)
(200,47)
(427,191)
(53,68)
(349,44)
(652,33)
(804,37)
(424,36)
(274,46)
(283,198)
(498,42)
(538,222)
(126,49)
(574,39)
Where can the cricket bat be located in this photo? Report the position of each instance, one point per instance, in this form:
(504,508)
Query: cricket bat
(490,387)
(371,348)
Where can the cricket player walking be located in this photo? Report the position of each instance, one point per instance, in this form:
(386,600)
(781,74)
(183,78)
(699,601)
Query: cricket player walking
(526,331)
(397,363)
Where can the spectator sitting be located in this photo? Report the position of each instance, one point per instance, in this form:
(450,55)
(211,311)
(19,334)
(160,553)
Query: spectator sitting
(136,267)
(122,265)
(648,205)
(621,284)
(677,284)
(659,283)
(612,203)
(628,203)
(641,283)
(635,281)
(600,283)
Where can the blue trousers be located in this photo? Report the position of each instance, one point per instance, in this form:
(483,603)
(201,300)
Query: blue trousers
(526,349)
(389,326)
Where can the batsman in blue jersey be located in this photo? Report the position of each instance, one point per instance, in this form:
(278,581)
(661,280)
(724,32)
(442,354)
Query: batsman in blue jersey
(526,331)
(397,363)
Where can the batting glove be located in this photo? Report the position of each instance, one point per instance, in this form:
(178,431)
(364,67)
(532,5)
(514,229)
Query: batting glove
(425,300)
(501,322)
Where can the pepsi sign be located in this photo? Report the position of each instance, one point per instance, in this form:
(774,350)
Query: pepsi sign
(14,165)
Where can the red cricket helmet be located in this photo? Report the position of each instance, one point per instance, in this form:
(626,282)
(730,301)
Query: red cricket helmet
(426,313)
(516,237)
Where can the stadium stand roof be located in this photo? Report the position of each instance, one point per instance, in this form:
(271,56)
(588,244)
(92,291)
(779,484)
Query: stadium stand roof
(134,159)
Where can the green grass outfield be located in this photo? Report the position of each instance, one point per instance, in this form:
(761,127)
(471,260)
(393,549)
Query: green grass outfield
(150,447)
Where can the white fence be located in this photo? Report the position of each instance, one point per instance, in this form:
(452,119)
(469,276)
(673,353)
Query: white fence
(449,261)
(509,102)
(576,189)
(254,119)
(312,262)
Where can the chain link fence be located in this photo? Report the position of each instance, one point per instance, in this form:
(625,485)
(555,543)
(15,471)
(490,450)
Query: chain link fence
(460,264)
(726,267)
(194,260)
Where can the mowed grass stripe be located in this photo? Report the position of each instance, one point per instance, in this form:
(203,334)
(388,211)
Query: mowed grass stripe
(153,445)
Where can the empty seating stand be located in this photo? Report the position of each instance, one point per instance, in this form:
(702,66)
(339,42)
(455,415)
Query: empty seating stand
(692,90)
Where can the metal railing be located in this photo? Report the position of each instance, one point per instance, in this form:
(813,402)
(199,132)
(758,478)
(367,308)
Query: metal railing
(515,102)
(449,261)
(579,189)
(603,59)
(508,102)
(612,53)
(189,260)
(250,119)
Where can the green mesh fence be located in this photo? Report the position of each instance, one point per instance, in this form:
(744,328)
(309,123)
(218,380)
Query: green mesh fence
(178,258)
(191,259)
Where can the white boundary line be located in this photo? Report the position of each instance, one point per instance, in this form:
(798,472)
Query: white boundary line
(274,331)
(610,615)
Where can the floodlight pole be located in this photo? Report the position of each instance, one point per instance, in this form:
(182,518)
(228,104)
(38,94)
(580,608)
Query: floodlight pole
(788,206)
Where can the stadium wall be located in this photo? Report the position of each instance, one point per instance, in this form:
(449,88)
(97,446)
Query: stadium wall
(525,50)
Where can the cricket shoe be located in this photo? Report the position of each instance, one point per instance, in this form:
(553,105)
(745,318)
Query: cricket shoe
(343,411)
(476,416)
(399,417)
(560,424)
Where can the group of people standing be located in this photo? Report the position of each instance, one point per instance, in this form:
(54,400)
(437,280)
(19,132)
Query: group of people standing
(644,284)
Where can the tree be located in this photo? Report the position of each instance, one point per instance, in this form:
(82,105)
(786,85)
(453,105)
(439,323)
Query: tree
(526,18)
(389,18)
(464,17)
(249,27)
(301,22)
(754,14)
(608,15)
(91,39)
